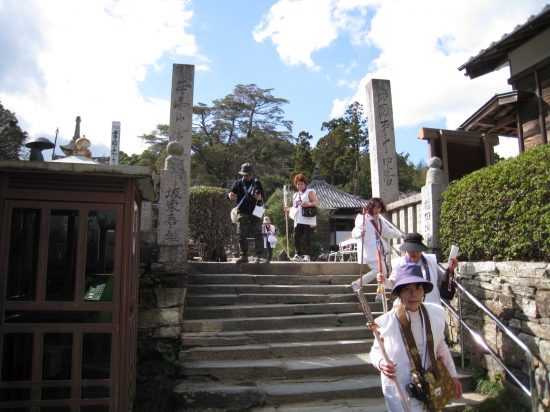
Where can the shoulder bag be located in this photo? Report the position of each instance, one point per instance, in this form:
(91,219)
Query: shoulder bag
(309,211)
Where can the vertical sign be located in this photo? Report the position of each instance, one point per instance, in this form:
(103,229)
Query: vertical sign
(383,157)
(115,143)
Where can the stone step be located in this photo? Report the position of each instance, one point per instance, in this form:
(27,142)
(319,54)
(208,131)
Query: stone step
(286,279)
(362,405)
(333,365)
(204,396)
(258,310)
(254,337)
(277,322)
(275,289)
(243,299)
(277,350)
(276,268)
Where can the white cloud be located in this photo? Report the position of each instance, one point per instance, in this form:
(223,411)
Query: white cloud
(507,147)
(93,55)
(299,28)
(339,107)
(421,43)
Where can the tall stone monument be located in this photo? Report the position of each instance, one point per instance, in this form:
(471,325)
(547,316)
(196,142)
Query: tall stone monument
(173,213)
(383,157)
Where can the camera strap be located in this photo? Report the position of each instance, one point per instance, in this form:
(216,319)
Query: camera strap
(410,344)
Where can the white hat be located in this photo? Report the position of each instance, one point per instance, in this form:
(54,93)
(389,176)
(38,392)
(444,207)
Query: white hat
(266,219)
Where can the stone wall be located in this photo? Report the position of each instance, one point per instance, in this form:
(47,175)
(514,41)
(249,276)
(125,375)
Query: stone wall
(519,294)
(161,292)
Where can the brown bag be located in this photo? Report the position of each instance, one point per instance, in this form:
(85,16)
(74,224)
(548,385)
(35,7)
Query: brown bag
(435,386)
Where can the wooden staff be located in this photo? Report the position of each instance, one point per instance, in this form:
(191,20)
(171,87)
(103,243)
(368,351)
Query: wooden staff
(381,288)
(285,193)
(362,249)
(374,327)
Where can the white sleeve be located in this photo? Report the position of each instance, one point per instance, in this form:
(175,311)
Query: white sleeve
(376,355)
(443,351)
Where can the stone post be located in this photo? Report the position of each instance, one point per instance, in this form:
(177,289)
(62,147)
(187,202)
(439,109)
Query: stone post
(432,199)
(115,143)
(383,157)
(173,215)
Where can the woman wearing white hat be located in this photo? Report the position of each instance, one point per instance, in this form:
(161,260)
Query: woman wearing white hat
(270,241)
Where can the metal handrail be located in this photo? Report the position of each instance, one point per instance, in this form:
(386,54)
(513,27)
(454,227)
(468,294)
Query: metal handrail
(532,393)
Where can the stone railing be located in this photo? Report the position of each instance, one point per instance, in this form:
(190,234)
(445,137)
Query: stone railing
(406,214)
(518,293)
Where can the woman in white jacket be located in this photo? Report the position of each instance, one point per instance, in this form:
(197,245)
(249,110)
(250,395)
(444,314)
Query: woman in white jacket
(414,254)
(371,228)
(410,286)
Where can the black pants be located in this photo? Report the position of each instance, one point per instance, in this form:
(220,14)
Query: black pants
(243,221)
(268,251)
(306,231)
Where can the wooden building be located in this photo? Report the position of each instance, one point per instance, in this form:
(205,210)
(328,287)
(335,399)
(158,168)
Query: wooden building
(69,260)
(524,112)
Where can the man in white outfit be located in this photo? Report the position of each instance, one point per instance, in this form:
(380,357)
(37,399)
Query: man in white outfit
(414,248)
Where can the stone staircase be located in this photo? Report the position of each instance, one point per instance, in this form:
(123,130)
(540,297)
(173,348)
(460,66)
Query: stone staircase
(279,337)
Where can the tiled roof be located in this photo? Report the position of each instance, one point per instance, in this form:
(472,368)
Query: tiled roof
(333,198)
(496,55)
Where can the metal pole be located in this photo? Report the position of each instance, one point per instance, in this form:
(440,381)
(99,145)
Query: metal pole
(461,329)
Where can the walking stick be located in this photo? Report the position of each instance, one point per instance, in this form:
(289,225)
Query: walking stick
(362,249)
(374,327)
(285,193)
(381,288)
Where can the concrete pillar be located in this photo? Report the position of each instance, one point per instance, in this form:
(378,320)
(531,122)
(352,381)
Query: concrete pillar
(432,199)
(383,157)
(173,216)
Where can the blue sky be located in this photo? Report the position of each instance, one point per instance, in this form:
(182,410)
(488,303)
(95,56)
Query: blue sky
(108,60)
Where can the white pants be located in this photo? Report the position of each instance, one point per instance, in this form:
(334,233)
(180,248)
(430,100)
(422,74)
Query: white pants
(374,270)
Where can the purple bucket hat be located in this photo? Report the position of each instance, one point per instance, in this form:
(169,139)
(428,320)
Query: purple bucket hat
(408,274)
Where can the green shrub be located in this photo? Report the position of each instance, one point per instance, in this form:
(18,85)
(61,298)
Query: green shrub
(157,367)
(501,212)
(209,222)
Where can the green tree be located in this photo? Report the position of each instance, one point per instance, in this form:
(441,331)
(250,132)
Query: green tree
(302,158)
(411,177)
(12,137)
(245,126)
(338,153)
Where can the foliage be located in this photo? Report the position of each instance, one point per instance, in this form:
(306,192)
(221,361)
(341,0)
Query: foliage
(209,222)
(157,367)
(338,153)
(245,126)
(302,158)
(12,137)
(501,212)
(274,209)
(410,177)
(498,399)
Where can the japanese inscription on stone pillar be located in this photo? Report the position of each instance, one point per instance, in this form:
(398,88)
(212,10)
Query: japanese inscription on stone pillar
(383,157)
(115,143)
(174,182)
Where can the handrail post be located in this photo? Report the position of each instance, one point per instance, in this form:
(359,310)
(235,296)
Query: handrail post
(461,329)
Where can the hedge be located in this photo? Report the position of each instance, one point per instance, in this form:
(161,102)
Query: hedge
(501,212)
(210,225)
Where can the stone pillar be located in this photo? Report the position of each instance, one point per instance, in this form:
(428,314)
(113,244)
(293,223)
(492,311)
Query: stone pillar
(173,219)
(432,198)
(115,143)
(383,157)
